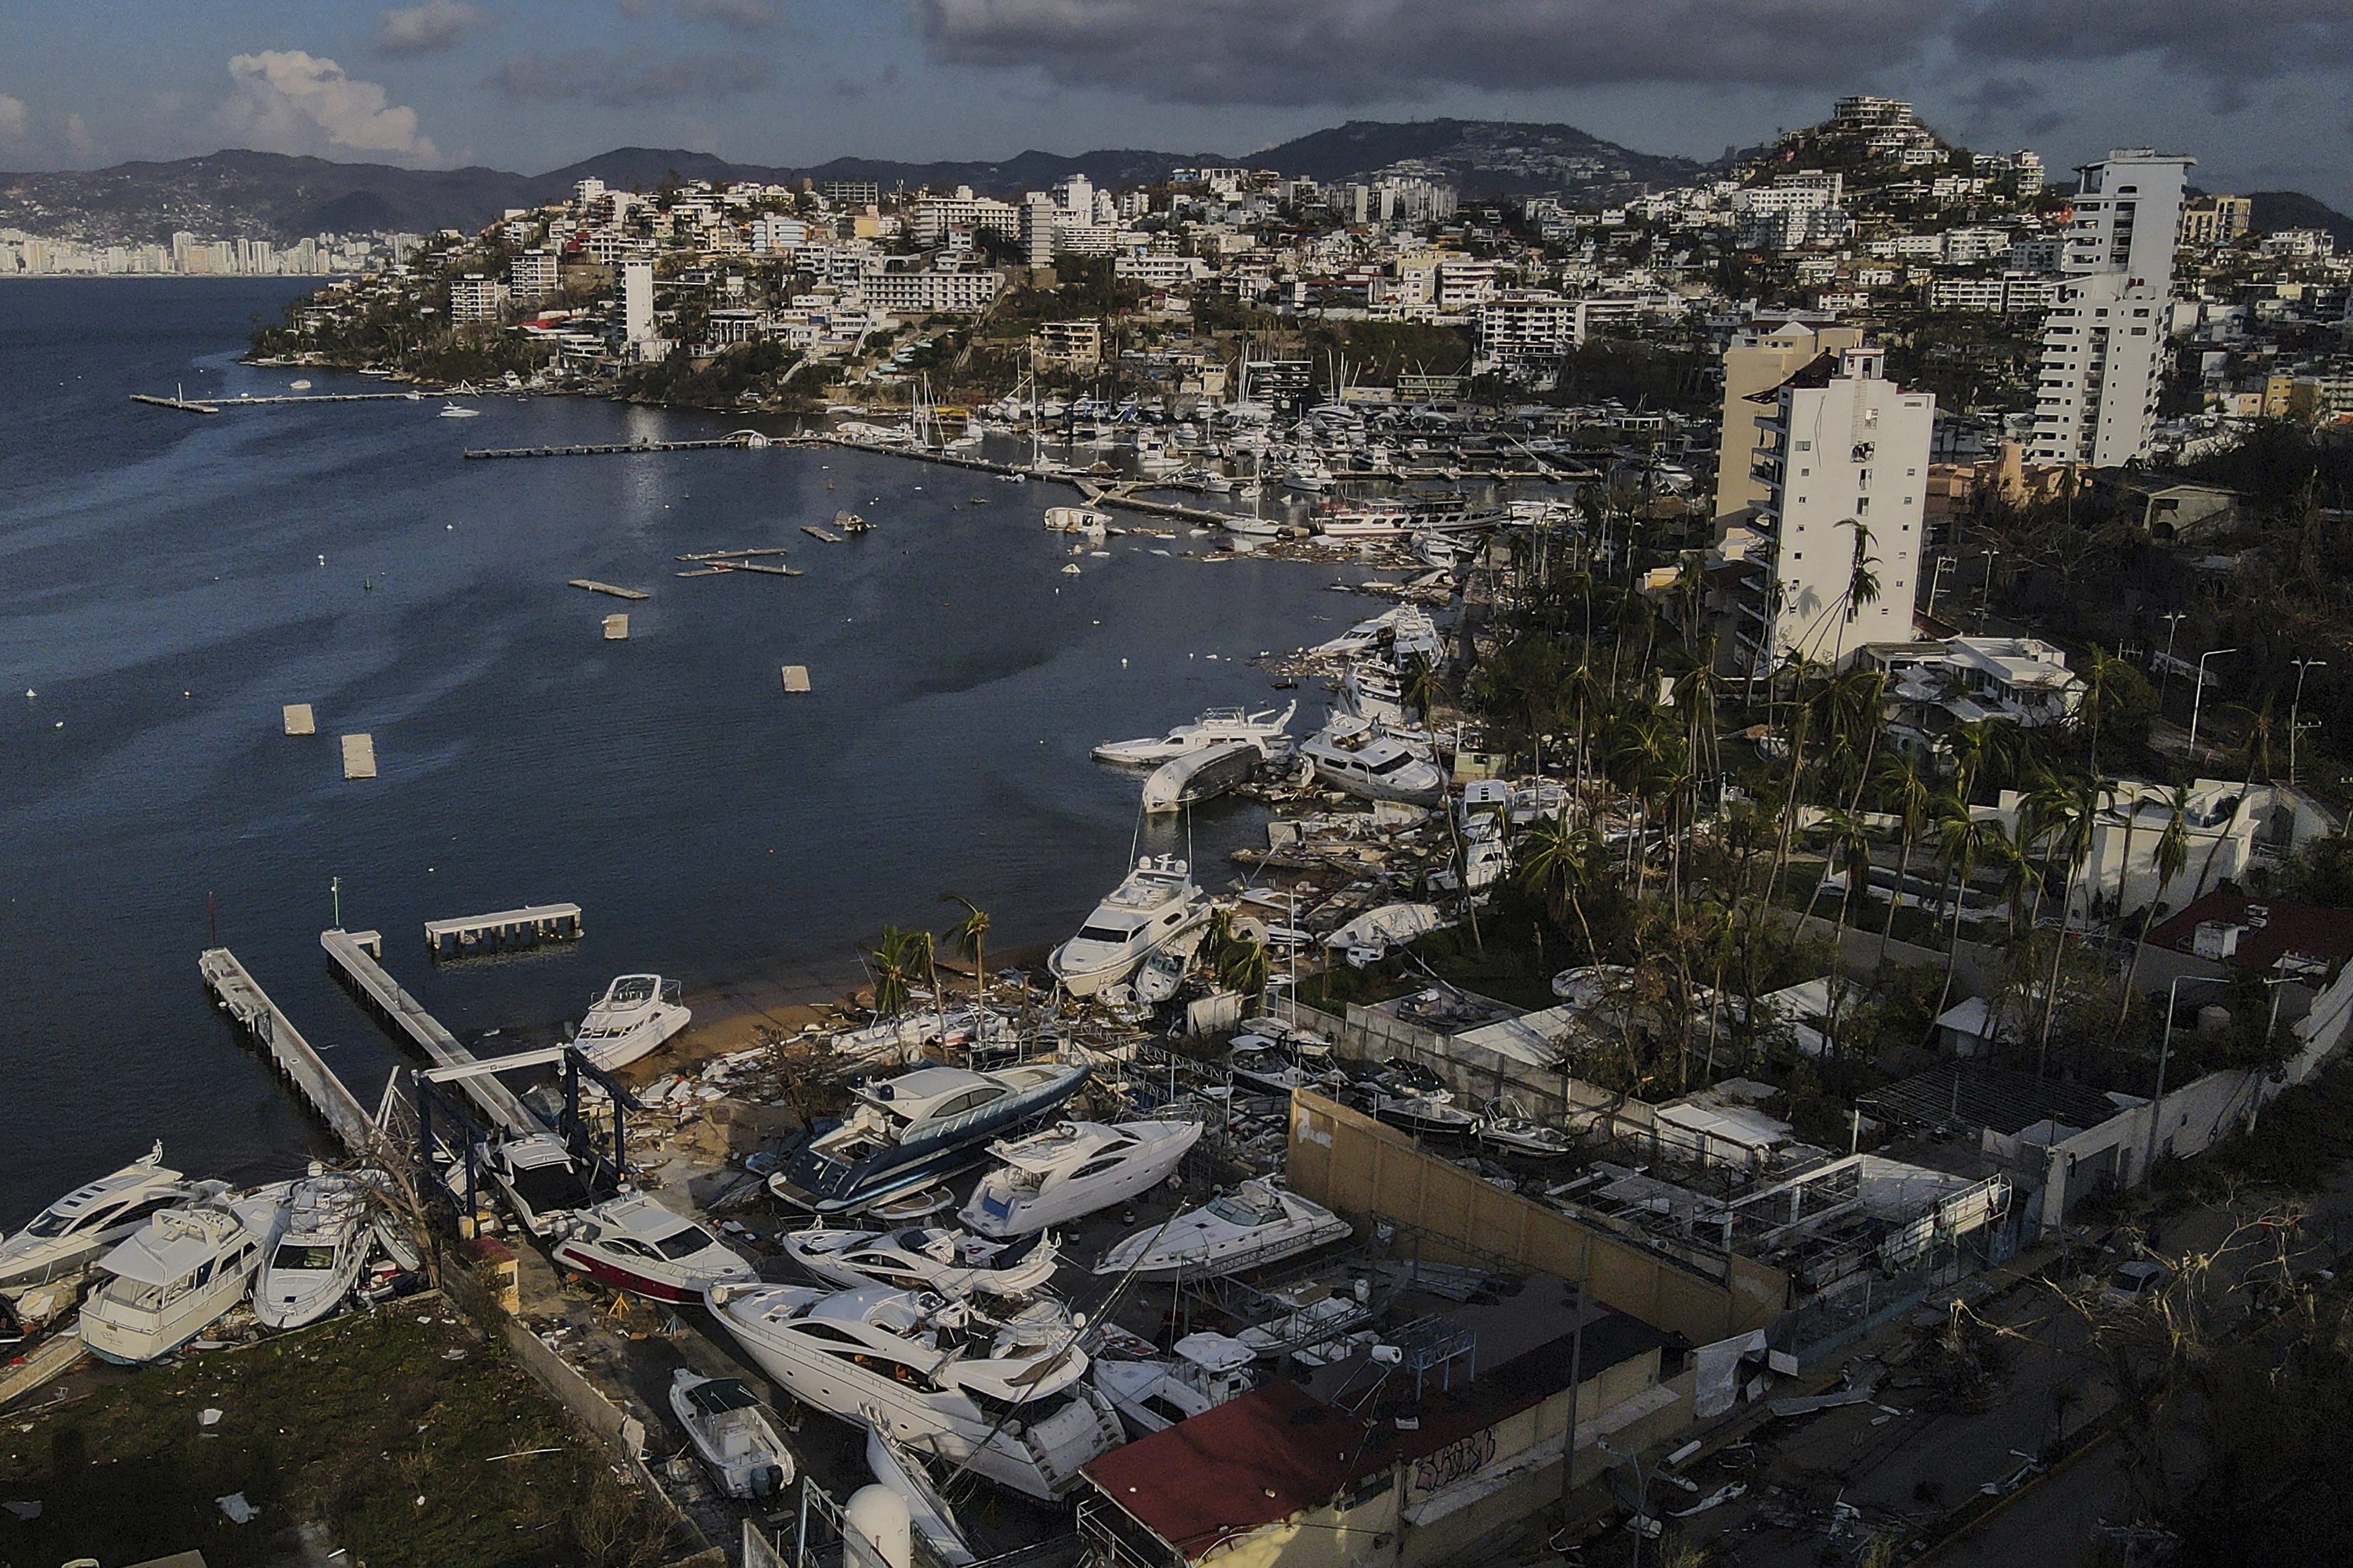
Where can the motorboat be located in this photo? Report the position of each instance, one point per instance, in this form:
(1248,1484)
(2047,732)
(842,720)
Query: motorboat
(1420,1113)
(1253,526)
(458,411)
(1072,1170)
(926,1257)
(1260,1062)
(730,1434)
(1153,1394)
(635,1014)
(316,1263)
(1003,1395)
(538,1176)
(1372,693)
(896,1467)
(1391,925)
(1077,520)
(1203,774)
(1372,764)
(1156,903)
(65,1236)
(179,1275)
(904,1133)
(1523,1138)
(1256,1224)
(1404,1076)
(1163,974)
(636,1244)
(1307,474)
(1215,727)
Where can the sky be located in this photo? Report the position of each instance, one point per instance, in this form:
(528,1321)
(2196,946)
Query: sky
(2257,90)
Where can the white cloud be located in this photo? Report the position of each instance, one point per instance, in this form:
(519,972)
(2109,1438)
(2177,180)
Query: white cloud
(289,101)
(430,29)
(14,117)
(78,136)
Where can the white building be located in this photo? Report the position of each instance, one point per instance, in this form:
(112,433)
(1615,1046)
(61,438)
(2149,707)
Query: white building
(638,302)
(930,290)
(776,235)
(533,275)
(475,298)
(1520,326)
(1843,455)
(2103,343)
(935,217)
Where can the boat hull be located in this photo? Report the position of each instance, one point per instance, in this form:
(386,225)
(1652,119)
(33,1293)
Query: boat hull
(1020,1217)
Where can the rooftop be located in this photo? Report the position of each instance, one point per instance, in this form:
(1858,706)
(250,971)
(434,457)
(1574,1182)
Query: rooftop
(2005,1103)
(2270,931)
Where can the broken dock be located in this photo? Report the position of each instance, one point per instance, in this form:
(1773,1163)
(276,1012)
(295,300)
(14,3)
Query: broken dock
(355,953)
(593,587)
(531,925)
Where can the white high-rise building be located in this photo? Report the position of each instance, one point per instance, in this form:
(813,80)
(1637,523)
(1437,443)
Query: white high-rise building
(1843,456)
(638,302)
(2104,340)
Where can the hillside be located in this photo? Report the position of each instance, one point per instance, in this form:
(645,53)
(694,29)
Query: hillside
(1480,157)
(2276,210)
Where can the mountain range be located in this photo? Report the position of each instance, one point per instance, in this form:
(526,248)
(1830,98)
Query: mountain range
(241,193)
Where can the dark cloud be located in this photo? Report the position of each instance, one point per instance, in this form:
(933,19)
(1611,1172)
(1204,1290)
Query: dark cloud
(744,16)
(2010,104)
(428,28)
(628,78)
(1353,51)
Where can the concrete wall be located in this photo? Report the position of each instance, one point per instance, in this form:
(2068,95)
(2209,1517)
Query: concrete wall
(1360,1167)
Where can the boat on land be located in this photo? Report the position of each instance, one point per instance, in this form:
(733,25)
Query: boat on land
(1507,1132)
(730,1434)
(64,1237)
(1422,1114)
(926,1257)
(1072,1170)
(636,1244)
(1373,764)
(540,1179)
(179,1275)
(1004,1395)
(1154,905)
(316,1263)
(1217,727)
(633,1016)
(904,1133)
(1256,1224)
(1153,1394)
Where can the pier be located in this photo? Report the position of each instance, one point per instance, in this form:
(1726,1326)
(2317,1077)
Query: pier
(355,953)
(532,923)
(215,405)
(242,998)
(742,440)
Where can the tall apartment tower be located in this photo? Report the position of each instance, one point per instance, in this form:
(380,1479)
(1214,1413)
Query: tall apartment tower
(1764,354)
(2104,340)
(638,301)
(1843,456)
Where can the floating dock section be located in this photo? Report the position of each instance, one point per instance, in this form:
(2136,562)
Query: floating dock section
(242,998)
(359,756)
(796,677)
(532,923)
(740,439)
(355,953)
(595,587)
(300,720)
(616,628)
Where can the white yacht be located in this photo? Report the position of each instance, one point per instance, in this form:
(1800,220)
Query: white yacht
(1072,1170)
(458,411)
(1005,1396)
(178,1275)
(1077,520)
(315,1266)
(636,1013)
(928,1509)
(633,1243)
(1217,727)
(1372,764)
(1256,1223)
(539,1178)
(1150,1395)
(1201,775)
(926,1257)
(1163,974)
(904,1133)
(1372,692)
(1507,1132)
(730,1434)
(1307,474)
(1157,903)
(65,1236)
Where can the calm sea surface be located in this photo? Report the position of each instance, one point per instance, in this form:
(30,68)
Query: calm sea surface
(168,582)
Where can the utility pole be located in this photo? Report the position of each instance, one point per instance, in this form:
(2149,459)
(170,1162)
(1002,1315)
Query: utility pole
(2172,620)
(2295,707)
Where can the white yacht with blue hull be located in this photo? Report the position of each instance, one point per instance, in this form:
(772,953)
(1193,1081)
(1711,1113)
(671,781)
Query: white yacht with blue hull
(906,1132)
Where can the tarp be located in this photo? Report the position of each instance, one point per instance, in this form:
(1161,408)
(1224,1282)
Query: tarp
(1715,1373)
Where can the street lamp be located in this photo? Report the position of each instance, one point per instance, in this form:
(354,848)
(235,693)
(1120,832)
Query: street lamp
(1642,1488)
(2197,697)
(1936,579)
(2165,1052)
(2172,619)
(1985,589)
(2294,707)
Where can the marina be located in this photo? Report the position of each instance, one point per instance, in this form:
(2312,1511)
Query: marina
(355,955)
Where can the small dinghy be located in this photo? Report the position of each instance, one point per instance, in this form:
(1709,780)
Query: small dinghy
(730,1434)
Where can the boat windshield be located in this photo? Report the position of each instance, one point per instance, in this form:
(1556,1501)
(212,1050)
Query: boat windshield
(684,1243)
(307,1259)
(1104,934)
(1243,1212)
(630,993)
(49,1224)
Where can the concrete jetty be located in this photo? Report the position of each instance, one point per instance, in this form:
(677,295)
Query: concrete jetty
(242,998)
(532,923)
(355,954)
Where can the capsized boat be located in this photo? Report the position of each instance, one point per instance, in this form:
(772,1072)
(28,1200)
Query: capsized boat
(65,1236)
(730,1434)
(1072,1171)
(1156,903)
(1256,1223)
(635,1014)
(633,1243)
(1202,774)
(316,1264)
(926,1257)
(904,1133)
(928,1510)
(1006,1395)
(1153,1394)
(179,1275)
(1215,727)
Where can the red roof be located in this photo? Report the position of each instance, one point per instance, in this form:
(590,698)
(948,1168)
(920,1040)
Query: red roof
(1249,1462)
(2272,929)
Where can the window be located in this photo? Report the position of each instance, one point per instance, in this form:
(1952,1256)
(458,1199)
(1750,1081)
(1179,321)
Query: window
(1805,446)
(684,1243)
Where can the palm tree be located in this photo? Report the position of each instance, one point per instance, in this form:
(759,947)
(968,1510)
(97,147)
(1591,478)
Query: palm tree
(899,956)
(1899,777)
(2103,676)
(2072,808)
(2172,855)
(1963,840)
(971,938)
(1241,965)
(1421,687)
(1850,851)
(1555,858)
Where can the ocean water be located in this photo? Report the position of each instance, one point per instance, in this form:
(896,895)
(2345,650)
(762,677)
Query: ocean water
(169,581)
